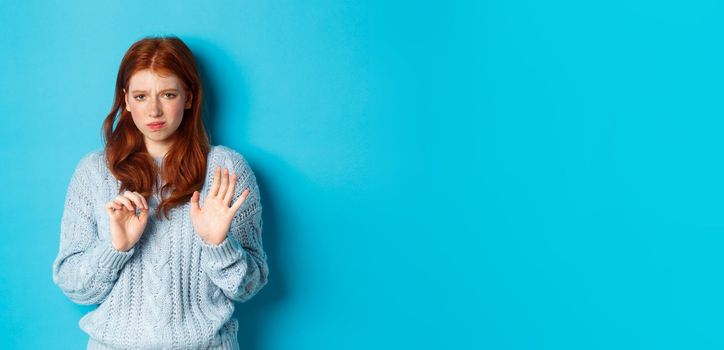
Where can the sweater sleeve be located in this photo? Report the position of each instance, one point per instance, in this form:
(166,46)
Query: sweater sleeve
(238,265)
(86,267)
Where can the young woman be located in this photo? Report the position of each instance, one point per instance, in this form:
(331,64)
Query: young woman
(159,228)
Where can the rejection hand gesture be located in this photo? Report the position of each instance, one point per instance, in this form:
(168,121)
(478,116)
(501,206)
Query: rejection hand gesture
(212,222)
(126,227)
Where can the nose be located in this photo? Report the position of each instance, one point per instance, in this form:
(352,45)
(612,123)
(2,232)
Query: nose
(155,109)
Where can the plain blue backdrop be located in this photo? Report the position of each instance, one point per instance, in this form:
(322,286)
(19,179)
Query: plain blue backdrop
(434,175)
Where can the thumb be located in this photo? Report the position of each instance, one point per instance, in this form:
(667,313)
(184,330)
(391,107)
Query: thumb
(195,201)
(144,215)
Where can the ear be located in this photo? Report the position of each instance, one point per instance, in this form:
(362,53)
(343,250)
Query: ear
(125,98)
(189,99)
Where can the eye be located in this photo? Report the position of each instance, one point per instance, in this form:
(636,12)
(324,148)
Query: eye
(170,95)
(139,97)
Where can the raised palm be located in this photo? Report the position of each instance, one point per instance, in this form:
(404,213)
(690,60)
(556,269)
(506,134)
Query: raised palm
(212,222)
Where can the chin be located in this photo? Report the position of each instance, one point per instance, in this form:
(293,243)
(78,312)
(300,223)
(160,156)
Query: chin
(156,137)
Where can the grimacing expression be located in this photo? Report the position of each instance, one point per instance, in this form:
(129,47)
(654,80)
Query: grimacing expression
(156,102)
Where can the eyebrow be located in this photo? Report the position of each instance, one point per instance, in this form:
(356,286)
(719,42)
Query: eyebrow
(164,90)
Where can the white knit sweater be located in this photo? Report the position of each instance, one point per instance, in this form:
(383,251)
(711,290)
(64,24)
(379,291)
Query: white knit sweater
(172,290)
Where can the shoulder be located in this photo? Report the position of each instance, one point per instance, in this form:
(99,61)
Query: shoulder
(91,162)
(222,151)
(228,157)
(88,170)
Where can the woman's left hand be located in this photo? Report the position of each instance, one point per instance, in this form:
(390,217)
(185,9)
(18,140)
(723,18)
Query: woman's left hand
(212,222)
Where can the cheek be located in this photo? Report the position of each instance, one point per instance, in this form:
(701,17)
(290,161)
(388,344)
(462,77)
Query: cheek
(136,109)
(136,113)
(175,111)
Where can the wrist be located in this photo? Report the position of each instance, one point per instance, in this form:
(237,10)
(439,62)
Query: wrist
(120,246)
(214,241)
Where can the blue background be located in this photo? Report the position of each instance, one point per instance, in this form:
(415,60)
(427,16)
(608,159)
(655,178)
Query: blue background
(458,175)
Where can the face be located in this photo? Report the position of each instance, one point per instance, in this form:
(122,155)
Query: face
(157,104)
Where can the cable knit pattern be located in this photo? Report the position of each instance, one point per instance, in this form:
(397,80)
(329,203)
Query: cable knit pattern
(172,290)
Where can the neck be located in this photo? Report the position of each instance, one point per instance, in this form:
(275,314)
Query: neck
(158,149)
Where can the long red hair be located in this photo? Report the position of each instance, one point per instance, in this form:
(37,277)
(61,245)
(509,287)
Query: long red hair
(184,166)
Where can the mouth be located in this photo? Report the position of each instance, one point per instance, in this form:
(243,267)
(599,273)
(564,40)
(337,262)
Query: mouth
(156,125)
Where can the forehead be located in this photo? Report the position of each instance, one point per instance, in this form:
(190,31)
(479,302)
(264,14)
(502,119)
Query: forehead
(148,79)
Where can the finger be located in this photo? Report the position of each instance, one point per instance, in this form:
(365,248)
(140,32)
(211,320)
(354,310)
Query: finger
(195,201)
(110,208)
(230,192)
(111,205)
(134,198)
(143,199)
(239,201)
(215,185)
(143,217)
(111,212)
(224,183)
(124,202)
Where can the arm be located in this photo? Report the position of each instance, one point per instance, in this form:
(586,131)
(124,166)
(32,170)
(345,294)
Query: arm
(238,264)
(85,268)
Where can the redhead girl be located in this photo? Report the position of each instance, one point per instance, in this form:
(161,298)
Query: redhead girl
(160,229)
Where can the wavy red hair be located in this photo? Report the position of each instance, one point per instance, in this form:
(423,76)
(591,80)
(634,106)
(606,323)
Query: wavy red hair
(184,167)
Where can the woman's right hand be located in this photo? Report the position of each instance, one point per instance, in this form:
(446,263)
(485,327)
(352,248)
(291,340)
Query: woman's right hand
(126,227)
